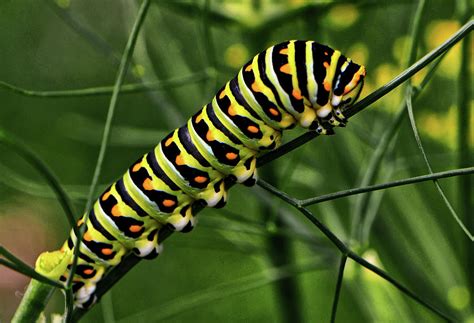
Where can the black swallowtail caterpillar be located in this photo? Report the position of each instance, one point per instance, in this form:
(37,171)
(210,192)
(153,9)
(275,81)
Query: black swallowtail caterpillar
(294,82)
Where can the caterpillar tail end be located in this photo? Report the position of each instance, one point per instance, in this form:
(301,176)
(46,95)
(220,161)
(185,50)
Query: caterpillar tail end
(52,264)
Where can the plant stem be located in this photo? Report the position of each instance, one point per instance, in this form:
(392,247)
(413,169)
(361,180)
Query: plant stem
(38,295)
(107,90)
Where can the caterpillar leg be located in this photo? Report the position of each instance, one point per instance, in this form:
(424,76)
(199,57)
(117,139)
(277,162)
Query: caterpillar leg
(148,246)
(85,280)
(183,221)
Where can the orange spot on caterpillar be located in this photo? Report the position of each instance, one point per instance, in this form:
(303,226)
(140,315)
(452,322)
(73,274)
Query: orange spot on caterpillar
(169,141)
(106,251)
(80,221)
(148,184)
(297,94)
(248,68)
(326,53)
(200,179)
(252,129)
(135,228)
(231,156)
(87,236)
(199,118)
(326,64)
(107,194)
(273,111)
(115,210)
(179,160)
(222,95)
(285,69)
(209,136)
(255,87)
(168,203)
(88,271)
(135,168)
(231,111)
(327,85)
(284,51)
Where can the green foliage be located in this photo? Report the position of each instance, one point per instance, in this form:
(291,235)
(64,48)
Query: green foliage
(259,258)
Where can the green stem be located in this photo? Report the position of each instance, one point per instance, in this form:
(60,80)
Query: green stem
(280,252)
(464,146)
(38,295)
(346,251)
(340,277)
(400,182)
(107,90)
(44,170)
(409,72)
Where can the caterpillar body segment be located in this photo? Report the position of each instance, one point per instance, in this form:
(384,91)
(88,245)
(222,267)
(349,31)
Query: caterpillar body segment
(292,83)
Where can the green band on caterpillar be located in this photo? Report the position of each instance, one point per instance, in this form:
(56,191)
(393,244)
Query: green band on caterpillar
(292,83)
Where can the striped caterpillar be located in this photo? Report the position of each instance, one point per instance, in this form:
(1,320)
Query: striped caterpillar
(294,82)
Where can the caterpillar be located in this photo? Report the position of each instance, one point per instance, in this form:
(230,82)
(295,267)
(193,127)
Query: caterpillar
(292,83)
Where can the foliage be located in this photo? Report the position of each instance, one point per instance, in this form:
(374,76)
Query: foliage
(260,260)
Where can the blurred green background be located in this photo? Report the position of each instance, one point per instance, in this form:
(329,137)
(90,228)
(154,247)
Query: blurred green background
(257,259)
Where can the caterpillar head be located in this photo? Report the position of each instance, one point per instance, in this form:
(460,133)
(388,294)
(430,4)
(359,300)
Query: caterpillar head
(347,85)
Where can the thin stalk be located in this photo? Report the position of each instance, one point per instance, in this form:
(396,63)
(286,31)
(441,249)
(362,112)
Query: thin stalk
(280,252)
(44,170)
(349,253)
(107,90)
(26,270)
(124,63)
(400,182)
(428,165)
(389,136)
(340,277)
(409,72)
(464,147)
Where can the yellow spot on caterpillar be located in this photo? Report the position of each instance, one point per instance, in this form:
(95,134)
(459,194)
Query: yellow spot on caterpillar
(106,251)
(81,221)
(273,111)
(168,142)
(297,94)
(168,203)
(248,68)
(252,129)
(286,69)
(135,228)
(199,118)
(209,136)
(148,184)
(115,210)
(179,160)
(106,195)
(200,179)
(284,51)
(88,271)
(231,156)
(231,111)
(222,95)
